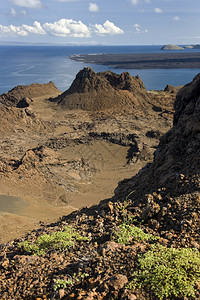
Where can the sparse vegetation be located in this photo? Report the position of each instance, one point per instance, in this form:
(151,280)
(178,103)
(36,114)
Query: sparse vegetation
(168,272)
(61,284)
(60,240)
(127,233)
(71,280)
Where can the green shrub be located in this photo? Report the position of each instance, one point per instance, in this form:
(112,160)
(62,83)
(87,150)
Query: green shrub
(60,240)
(127,233)
(61,284)
(76,278)
(168,272)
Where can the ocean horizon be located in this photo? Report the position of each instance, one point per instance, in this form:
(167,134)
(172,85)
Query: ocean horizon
(27,64)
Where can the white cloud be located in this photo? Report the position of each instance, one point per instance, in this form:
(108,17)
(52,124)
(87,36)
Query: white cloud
(67,27)
(176,18)
(13,12)
(93,7)
(36,28)
(135,2)
(27,3)
(158,10)
(23,30)
(62,28)
(138,29)
(107,28)
(12,30)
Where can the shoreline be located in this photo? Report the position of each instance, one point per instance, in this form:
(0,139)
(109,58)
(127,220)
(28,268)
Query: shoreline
(142,61)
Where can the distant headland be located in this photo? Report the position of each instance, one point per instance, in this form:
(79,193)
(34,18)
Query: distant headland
(143,61)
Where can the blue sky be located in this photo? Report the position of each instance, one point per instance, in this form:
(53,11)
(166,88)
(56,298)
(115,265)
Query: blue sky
(108,22)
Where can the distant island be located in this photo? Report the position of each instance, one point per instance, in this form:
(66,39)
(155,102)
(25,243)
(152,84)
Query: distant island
(192,46)
(143,61)
(176,47)
(171,47)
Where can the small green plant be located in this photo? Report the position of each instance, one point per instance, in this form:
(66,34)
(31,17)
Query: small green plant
(60,240)
(127,233)
(61,284)
(168,272)
(122,208)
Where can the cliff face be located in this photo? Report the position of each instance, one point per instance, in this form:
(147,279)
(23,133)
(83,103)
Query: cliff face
(105,90)
(167,192)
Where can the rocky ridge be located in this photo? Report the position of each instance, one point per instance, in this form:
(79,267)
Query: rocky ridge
(164,200)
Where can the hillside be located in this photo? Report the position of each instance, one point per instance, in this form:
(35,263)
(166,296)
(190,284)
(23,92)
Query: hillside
(161,207)
(14,96)
(59,159)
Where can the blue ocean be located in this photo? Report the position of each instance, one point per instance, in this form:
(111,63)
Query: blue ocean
(22,65)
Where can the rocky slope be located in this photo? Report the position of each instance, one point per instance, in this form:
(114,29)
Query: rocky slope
(164,201)
(16,113)
(14,96)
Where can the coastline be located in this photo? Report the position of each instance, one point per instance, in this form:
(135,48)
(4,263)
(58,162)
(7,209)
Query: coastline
(142,61)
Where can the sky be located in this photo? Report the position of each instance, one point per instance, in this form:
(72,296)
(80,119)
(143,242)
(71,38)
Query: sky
(105,22)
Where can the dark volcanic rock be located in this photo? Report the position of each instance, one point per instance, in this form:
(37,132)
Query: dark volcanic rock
(25,102)
(170,88)
(105,90)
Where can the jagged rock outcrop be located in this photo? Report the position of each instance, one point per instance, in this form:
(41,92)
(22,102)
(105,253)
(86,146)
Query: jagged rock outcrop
(104,91)
(14,96)
(167,192)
